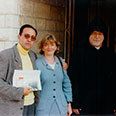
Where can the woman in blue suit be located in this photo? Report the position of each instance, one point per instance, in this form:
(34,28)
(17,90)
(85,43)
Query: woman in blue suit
(56,94)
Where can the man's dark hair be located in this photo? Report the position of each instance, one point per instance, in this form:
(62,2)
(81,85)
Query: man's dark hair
(26,26)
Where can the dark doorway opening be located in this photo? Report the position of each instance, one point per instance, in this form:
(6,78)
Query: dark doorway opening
(83,12)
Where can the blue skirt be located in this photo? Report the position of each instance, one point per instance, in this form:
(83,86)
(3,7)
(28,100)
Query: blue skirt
(54,111)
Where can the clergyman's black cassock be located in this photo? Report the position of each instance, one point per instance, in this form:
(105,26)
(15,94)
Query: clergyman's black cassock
(93,80)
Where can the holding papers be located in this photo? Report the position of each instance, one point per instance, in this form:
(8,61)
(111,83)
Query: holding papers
(30,78)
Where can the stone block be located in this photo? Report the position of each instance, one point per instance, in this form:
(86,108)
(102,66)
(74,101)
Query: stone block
(26,7)
(27,20)
(12,34)
(55,13)
(61,3)
(45,1)
(9,44)
(61,36)
(2,21)
(60,26)
(40,24)
(41,34)
(12,21)
(52,2)
(42,10)
(1,46)
(8,6)
(4,36)
(50,25)
(62,14)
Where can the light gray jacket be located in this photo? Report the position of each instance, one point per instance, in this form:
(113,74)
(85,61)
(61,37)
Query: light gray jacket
(11,98)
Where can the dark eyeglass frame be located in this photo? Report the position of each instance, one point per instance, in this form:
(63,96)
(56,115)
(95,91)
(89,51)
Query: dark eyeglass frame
(27,36)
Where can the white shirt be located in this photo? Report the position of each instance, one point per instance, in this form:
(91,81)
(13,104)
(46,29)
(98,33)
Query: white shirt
(52,65)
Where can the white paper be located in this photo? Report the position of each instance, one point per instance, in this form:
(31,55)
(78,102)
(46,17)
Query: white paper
(30,78)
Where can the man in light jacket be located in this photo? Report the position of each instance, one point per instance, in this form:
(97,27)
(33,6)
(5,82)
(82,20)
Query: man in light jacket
(18,101)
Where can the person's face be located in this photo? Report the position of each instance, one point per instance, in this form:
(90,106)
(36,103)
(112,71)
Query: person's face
(49,48)
(27,38)
(96,38)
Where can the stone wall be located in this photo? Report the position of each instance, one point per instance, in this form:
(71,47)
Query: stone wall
(48,16)
(9,23)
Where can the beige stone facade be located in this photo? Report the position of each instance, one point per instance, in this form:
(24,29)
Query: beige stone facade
(48,16)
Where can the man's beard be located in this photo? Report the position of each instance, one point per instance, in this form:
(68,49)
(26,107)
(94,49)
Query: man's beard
(97,44)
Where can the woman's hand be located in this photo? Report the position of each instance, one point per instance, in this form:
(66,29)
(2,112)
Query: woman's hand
(69,109)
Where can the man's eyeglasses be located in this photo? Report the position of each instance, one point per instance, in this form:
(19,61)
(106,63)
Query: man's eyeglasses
(27,36)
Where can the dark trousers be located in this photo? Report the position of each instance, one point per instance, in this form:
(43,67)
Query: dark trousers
(29,110)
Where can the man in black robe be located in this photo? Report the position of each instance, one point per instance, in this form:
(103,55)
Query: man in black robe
(92,72)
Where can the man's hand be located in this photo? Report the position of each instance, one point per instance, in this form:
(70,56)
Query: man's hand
(114,112)
(26,91)
(77,111)
(65,65)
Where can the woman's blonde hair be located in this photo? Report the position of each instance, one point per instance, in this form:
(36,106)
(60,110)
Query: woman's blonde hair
(51,38)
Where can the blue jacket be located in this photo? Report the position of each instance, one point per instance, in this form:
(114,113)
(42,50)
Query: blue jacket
(55,85)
